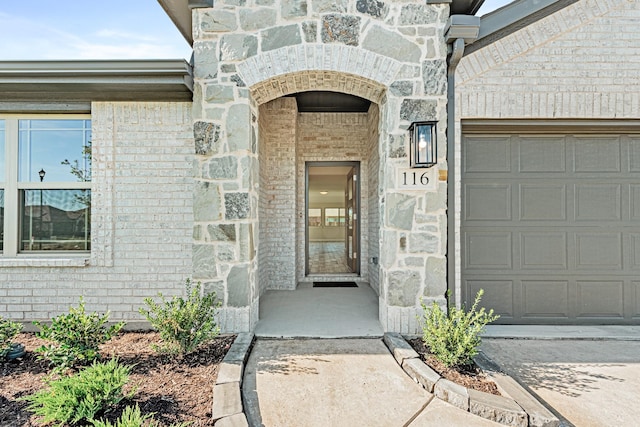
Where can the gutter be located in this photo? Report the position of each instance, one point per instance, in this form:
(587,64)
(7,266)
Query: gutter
(459,31)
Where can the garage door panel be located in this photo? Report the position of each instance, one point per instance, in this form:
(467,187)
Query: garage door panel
(600,298)
(542,154)
(489,154)
(598,202)
(551,224)
(634,202)
(498,295)
(488,202)
(488,250)
(634,251)
(543,202)
(598,251)
(635,291)
(634,154)
(596,155)
(543,251)
(545,298)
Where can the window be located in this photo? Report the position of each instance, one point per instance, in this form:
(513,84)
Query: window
(334,217)
(315,217)
(45,184)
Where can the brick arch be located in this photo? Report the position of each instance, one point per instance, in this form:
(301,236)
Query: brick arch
(339,68)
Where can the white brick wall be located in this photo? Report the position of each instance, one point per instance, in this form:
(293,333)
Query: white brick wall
(332,137)
(277,204)
(581,62)
(142,219)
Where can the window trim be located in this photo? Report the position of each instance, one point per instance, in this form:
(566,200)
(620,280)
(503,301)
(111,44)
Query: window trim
(12,187)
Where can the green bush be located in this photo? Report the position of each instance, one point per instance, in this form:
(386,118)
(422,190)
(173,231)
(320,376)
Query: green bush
(132,417)
(454,338)
(183,324)
(8,331)
(80,397)
(76,337)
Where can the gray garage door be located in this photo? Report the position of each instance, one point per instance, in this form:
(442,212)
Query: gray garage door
(551,226)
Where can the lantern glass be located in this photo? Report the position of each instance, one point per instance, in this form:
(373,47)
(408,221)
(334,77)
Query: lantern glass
(422,144)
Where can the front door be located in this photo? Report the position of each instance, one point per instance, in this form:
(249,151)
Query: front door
(351,221)
(332,218)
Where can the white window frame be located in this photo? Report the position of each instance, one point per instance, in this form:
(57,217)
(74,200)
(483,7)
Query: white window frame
(12,187)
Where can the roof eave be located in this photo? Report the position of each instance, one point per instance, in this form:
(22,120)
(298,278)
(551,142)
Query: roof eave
(179,12)
(86,81)
(513,17)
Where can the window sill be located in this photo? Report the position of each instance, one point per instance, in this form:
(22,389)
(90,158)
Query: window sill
(45,262)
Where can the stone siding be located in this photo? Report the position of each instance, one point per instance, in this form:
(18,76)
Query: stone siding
(578,63)
(142,220)
(391,53)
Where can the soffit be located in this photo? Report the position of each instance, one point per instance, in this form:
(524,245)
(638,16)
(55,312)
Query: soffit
(513,17)
(85,81)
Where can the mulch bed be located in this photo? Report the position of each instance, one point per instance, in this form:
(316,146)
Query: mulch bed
(468,376)
(177,389)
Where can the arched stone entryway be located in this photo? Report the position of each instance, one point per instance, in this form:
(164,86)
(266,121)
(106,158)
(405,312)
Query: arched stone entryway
(242,64)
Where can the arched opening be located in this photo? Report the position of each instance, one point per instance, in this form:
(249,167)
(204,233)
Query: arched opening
(308,140)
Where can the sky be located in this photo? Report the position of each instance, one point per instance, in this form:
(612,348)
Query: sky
(97,29)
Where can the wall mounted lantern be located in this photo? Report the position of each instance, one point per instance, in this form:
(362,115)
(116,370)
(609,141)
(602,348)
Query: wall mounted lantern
(422,144)
(41,174)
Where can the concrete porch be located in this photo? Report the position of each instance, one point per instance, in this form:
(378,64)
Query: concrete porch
(319,312)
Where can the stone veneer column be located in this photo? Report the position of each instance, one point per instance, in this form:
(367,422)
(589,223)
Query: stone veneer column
(249,53)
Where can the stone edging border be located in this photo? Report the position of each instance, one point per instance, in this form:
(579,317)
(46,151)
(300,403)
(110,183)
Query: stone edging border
(227,410)
(516,407)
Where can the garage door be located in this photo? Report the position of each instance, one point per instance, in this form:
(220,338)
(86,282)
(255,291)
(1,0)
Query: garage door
(550,226)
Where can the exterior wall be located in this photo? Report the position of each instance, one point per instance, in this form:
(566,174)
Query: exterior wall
(579,63)
(392,53)
(142,221)
(372,197)
(278,192)
(332,137)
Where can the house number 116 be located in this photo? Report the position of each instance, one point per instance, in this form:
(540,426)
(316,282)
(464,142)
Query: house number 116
(411,178)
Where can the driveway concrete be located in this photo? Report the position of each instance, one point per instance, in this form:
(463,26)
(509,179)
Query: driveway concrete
(339,382)
(587,382)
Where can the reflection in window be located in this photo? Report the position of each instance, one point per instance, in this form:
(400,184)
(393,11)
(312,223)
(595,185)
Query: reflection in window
(1,220)
(334,217)
(55,220)
(2,161)
(54,145)
(315,217)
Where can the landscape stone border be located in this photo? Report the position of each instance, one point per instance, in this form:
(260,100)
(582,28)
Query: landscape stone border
(227,410)
(516,407)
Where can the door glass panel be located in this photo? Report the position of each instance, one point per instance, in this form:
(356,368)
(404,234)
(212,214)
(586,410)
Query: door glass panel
(327,225)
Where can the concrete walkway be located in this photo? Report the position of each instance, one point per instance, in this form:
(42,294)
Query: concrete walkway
(590,375)
(319,313)
(339,382)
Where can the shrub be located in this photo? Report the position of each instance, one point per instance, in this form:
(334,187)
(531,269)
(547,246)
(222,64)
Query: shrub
(76,337)
(454,338)
(78,398)
(183,324)
(8,331)
(132,417)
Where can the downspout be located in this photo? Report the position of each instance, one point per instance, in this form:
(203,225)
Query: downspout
(454,59)
(460,31)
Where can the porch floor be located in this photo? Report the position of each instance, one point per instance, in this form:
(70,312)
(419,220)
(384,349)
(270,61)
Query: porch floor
(319,313)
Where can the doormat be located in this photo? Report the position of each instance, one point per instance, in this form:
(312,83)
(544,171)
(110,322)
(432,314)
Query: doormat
(335,285)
